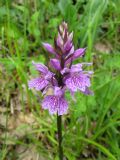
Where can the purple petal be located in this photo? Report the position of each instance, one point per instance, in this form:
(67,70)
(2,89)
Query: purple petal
(38,83)
(68,45)
(69,60)
(76,68)
(63,106)
(72,50)
(58,91)
(51,103)
(49,75)
(40,67)
(59,41)
(49,48)
(71,85)
(79,53)
(78,82)
(55,104)
(65,70)
(54,81)
(55,63)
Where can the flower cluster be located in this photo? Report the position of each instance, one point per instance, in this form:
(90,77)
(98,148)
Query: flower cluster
(62,74)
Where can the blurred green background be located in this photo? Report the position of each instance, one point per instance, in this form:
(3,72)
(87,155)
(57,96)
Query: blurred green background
(91,130)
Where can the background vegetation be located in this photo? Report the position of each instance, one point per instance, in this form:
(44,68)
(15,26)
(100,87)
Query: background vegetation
(91,129)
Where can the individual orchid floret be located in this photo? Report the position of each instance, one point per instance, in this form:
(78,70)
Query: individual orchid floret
(55,103)
(43,80)
(62,74)
(77,79)
(78,53)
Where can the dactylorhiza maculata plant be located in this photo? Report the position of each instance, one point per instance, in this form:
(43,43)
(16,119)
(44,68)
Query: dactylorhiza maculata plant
(61,75)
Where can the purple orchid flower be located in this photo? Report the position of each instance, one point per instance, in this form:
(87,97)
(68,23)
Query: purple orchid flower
(43,80)
(66,76)
(56,103)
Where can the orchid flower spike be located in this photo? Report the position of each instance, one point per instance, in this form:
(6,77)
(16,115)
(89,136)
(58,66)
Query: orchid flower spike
(62,75)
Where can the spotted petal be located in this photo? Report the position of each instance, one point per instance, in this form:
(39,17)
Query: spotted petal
(77,82)
(63,106)
(79,53)
(51,103)
(38,83)
(55,104)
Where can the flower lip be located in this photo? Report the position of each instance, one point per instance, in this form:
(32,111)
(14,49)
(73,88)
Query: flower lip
(77,81)
(55,105)
(55,102)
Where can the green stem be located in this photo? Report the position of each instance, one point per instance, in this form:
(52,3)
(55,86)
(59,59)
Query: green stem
(59,127)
